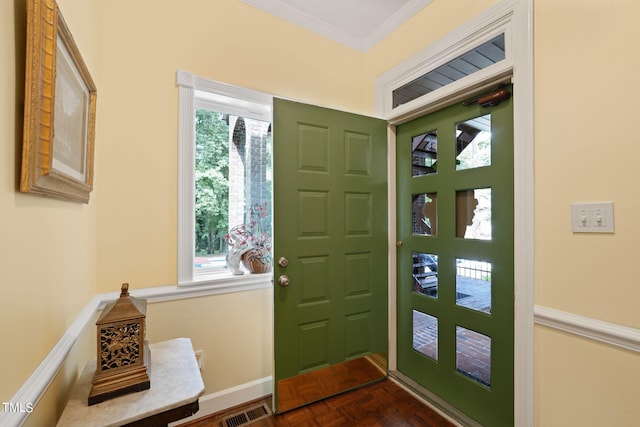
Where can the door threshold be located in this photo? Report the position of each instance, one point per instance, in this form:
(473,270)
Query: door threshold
(435,402)
(319,384)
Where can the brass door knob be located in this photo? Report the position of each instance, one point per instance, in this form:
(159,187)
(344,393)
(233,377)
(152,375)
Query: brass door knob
(283,281)
(399,243)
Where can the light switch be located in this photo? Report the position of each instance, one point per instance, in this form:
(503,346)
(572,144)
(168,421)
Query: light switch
(592,217)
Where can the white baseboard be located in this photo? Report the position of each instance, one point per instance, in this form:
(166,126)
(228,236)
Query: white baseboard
(218,401)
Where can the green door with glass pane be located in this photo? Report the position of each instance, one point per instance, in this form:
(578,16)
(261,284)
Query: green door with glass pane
(455,263)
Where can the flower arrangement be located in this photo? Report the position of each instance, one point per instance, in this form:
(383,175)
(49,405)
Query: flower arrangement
(259,232)
(252,241)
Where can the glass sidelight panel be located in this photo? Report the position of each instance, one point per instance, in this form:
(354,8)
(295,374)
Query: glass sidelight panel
(424,153)
(473,355)
(473,143)
(425,334)
(425,274)
(424,216)
(473,214)
(473,284)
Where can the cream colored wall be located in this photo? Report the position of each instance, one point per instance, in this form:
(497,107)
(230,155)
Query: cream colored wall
(586,85)
(585,89)
(47,247)
(52,403)
(584,383)
(234,330)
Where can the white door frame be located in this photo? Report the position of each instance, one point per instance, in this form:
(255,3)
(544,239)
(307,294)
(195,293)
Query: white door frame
(515,19)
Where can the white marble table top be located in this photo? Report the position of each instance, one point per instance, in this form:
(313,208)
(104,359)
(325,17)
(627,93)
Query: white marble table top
(175,381)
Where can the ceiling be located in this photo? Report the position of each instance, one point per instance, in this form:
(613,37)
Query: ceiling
(358,24)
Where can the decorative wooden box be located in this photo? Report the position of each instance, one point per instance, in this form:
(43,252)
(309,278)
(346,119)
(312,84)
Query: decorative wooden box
(123,355)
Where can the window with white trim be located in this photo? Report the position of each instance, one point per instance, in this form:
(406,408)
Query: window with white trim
(225,177)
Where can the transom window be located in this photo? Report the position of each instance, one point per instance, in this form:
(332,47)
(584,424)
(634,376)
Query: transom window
(466,64)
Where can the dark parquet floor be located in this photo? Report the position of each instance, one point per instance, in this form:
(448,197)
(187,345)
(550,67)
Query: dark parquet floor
(383,404)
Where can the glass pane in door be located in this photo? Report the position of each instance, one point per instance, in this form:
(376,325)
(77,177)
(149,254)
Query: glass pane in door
(424,214)
(473,214)
(473,143)
(424,153)
(425,334)
(473,284)
(473,355)
(425,274)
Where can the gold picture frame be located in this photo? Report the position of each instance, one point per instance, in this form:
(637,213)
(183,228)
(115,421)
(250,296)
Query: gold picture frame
(60,110)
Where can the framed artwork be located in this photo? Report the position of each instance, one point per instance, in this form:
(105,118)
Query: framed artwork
(60,110)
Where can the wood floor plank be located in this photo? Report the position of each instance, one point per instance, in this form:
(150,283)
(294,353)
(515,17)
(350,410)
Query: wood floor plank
(321,383)
(383,404)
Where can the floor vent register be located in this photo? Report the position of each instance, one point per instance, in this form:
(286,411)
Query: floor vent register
(247,416)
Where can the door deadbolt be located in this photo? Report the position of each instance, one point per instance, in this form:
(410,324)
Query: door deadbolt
(283,262)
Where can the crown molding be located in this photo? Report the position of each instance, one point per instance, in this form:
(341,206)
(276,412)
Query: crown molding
(393,22)
(335,33)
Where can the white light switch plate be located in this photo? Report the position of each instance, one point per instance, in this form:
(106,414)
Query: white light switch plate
(592,217)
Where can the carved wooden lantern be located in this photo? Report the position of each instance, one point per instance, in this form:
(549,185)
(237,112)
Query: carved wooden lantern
(123,353)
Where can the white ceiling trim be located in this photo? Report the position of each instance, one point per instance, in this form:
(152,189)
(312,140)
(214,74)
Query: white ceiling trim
(335,32)
(393,22)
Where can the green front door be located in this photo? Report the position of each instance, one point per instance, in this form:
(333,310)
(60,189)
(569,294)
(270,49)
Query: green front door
(330,247)
(455,263)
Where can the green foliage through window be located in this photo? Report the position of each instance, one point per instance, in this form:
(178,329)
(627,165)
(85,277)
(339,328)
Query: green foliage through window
(212,182)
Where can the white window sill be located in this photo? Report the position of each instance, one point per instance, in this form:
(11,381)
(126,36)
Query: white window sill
(225,282)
